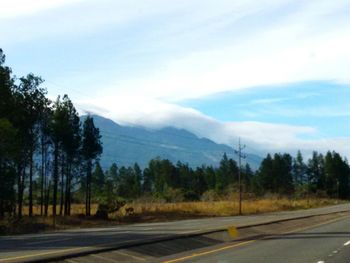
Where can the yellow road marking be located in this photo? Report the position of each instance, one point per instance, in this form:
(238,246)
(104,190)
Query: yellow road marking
(248,242)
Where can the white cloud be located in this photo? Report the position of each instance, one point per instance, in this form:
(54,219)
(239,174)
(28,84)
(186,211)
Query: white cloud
(252,62)
(261,137)
(17,8)
(310,43)
(220,46)
(206,47)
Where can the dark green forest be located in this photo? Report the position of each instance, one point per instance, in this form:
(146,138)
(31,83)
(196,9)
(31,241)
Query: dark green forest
(281,174)
(48,157)
(43,147)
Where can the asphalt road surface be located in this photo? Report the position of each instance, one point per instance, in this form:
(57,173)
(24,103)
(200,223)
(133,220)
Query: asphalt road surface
(328,242)
(39,246)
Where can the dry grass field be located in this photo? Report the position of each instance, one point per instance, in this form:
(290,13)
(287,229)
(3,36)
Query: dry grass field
(158,211)
(228,208)
(206,208)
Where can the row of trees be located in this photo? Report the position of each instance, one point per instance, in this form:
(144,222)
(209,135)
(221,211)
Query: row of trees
(43,145)
(322,175)
(326,175)
(162,179)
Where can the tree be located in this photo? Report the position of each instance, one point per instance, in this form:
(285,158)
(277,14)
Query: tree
(7,173)
(227,174)
(31,98)
(337,175)
(8,144)
(209,176)
(275,175)
(7,103)
(147,181)
(282,166)
(330,175)
(98,180)
(91,149)
(57,131)
(110,185)
(112,176)
(265,174)
(315,173)
(136,189)
(299,170)
(198,183)
(45,142)
(248,176)
(71,143)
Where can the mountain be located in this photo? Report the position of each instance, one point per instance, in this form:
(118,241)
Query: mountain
(126,145)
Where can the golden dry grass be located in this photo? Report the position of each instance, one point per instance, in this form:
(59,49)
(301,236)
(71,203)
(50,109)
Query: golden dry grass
(77,209)
(229,208)
(207,208)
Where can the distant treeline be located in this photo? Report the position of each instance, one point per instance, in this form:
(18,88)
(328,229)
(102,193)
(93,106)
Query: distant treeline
(281,174)
(43,147)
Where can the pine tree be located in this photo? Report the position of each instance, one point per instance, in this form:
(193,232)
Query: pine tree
(91,149)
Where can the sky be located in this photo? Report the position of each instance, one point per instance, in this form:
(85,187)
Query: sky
(275,73)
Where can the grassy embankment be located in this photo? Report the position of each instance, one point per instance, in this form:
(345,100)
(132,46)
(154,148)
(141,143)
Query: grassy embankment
(155,212)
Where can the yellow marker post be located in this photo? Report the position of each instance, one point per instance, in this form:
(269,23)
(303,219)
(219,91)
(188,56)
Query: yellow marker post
(232,231)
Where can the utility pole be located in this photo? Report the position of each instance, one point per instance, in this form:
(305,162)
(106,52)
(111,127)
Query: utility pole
(240,156)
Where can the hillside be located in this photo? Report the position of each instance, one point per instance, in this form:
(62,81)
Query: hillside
(126,145)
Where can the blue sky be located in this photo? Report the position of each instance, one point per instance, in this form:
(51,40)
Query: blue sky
(275,73)
(321,104)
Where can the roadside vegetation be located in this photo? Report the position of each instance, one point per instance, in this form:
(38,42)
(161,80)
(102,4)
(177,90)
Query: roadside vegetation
(50,176)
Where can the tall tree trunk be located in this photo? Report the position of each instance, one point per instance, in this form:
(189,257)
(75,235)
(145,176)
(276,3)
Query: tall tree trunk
(47,199)
(2,212)
(88,188)
(69,190)
(55,183)
(20,177)
(43,162)
(2,177)
(31,182)
(67,193)
(62,185)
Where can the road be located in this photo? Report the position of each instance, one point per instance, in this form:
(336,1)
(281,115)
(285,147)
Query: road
(39,246)
(328,242)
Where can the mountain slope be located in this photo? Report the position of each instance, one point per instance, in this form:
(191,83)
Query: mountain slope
(126,145)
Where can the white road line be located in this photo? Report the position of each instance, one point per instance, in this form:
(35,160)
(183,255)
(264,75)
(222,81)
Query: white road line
(320,261)
(145,229)
(104,259)
(121,232)
(187,232)
(49,241)
(347,243)
(128,255)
